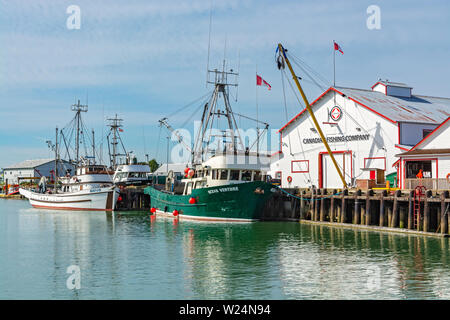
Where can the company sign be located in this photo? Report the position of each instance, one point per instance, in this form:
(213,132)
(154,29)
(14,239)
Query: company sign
(346,138)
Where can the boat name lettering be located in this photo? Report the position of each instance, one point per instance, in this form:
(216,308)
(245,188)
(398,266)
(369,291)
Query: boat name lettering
(355,137)
(228,189)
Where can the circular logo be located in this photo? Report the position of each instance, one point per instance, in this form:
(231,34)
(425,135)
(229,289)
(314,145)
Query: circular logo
(336,113)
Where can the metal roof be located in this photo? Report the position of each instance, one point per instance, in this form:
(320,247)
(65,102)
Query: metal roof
(419,109)
(392,84)
(176,167)
(27,164)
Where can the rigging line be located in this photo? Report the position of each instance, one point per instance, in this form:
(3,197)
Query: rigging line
(188,105)
(285,107)
(195,111)
(311,69)
(293,90)
(158,142)
(309,76)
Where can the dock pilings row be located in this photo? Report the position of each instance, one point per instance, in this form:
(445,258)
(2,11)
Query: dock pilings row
(365,209)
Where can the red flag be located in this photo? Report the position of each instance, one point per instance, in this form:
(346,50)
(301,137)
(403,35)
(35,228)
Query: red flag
(338,47)
(260,82)
(121,130)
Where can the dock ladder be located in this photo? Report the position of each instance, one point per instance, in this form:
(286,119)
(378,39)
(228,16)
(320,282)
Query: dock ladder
(419,192)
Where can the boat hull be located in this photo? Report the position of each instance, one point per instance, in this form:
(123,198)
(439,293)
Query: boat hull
(242,202)
(102,199)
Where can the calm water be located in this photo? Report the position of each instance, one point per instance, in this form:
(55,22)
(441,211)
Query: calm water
(127,256)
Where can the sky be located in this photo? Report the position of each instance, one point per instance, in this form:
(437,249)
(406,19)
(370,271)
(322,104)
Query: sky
(143,60)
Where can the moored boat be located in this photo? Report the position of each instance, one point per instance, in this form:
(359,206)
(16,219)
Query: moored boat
(217,191)
(225,183)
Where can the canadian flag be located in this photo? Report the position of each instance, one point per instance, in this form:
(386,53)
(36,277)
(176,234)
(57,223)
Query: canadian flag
(261,82)
(338,47)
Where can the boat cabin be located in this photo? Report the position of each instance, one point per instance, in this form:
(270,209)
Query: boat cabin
(224,170)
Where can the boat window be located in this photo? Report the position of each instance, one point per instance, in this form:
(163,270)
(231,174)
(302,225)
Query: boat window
(199,184)
(234,174)
(223,174)
(257,176)
(214,174)
(206,173)
(189,188)
(246,175)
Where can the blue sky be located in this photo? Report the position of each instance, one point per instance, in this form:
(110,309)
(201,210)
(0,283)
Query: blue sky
(145,59)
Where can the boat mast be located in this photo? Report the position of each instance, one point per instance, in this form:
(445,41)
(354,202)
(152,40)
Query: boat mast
(56,161)
(78,108)
(283,56)
(115,125)
(221,87)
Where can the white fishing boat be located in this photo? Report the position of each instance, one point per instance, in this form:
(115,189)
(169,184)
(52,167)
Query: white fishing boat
(132,174)
(91,188)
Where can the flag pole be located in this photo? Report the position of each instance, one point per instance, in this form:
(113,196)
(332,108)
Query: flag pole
(334,65)
(257,128)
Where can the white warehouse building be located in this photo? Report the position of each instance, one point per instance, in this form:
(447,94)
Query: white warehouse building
(34,168)
(365,130)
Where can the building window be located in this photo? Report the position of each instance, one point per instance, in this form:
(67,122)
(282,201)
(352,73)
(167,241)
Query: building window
(426,132)
(299,166)
(413,168)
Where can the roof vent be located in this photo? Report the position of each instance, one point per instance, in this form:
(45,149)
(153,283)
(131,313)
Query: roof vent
(395,89)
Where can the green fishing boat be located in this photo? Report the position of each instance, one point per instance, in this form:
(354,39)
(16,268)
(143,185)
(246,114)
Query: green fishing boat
(217,192)
(227,183)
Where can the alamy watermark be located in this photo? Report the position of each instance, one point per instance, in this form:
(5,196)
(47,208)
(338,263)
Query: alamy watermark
(74,280)
(73,22)
(373,21)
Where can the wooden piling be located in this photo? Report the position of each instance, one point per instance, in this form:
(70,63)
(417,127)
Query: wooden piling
(344,206)
(382,209)
(368,217)
(302,205)
(332,207)
(322,205)
(357,210)
(444,212)
(395,211)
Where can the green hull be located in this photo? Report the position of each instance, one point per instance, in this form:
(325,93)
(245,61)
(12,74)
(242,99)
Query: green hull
(236,202)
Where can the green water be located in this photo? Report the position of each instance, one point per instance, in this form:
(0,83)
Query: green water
(128,256)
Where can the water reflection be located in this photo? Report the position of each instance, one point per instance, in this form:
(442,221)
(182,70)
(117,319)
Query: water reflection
(134,256)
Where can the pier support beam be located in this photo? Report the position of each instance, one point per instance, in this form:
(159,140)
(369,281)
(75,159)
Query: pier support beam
(382,209)
(368,217)
(344,206)
(426,212)
(395,211)
(332,207)
(445,208)
(357,210)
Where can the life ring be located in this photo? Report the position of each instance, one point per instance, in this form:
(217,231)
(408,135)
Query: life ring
(289,179)
(448,177)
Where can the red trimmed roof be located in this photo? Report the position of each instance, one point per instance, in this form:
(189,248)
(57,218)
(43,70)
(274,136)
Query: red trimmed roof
(430,134)
(416,109)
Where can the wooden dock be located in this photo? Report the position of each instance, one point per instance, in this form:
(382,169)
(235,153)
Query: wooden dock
(395,211)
